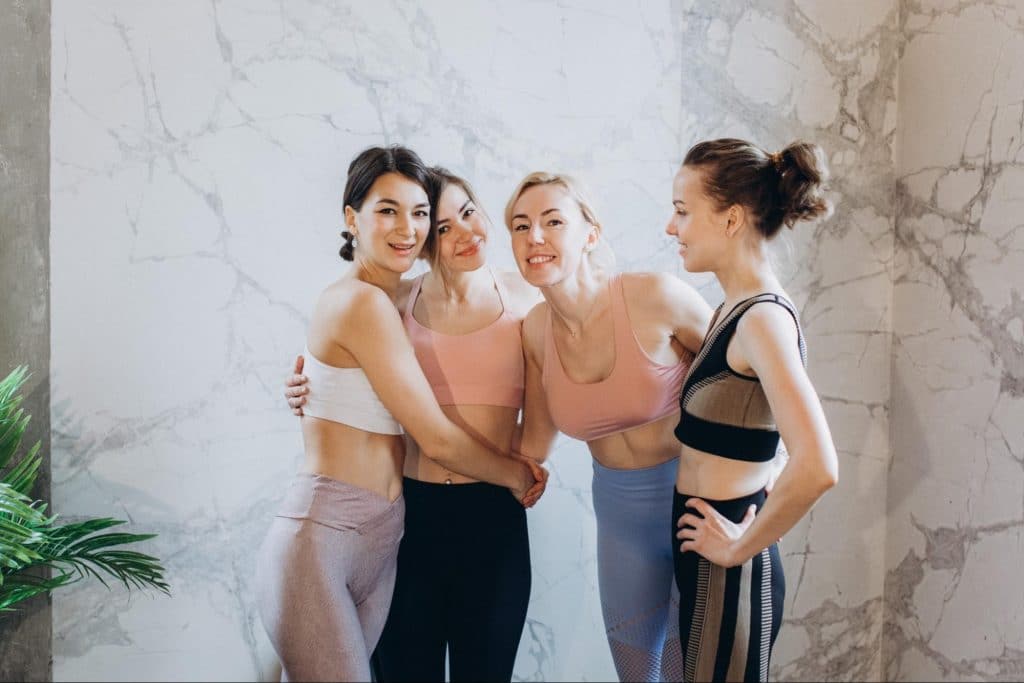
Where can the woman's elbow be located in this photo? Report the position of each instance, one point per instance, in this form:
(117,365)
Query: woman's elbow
(828,474)
(827,480)
(437,446)
(817,476)
(535,452)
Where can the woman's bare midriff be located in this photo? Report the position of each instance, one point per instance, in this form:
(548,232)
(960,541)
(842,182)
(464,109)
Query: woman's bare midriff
(716,478)
(364,459)
(644,446)
(492,425)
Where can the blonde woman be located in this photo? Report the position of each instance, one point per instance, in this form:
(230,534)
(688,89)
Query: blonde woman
(606,354)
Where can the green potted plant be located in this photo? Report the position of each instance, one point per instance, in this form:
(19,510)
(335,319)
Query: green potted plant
(31,540)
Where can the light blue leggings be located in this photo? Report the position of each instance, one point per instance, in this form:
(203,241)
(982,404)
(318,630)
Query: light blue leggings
(639,598)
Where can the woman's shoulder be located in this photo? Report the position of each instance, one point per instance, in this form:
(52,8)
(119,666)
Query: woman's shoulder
(655,292)
(349,298)
(533,329)
(772,325)
(650,284)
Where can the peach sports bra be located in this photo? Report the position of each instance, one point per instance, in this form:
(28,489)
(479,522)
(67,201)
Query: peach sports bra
(637,392)
(483,367)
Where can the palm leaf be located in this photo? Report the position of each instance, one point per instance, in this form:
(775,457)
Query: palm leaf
(25,586)
(20,522)
(78,548)
(22,476)
(31,542)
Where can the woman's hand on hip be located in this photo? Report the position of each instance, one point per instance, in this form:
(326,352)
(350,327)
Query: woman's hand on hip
(712,535)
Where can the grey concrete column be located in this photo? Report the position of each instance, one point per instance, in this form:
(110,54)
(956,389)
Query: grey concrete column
(26,637)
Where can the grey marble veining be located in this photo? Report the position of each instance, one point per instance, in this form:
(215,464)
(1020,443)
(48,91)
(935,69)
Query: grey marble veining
(956,485)
(198,158)
(825,72)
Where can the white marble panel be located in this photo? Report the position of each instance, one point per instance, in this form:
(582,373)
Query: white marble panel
(198,157)
(953,600)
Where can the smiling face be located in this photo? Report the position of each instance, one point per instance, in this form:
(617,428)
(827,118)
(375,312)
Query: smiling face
(392,222)
(696,223)
(550,235)
(461,231)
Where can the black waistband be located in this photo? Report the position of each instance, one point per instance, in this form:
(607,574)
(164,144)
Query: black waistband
(732,509)
(461,495)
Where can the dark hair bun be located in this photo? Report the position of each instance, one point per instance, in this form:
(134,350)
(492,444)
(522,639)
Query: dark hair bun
(348,249)
(803,173)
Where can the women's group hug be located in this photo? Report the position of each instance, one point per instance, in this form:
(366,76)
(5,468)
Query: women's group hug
(430,404)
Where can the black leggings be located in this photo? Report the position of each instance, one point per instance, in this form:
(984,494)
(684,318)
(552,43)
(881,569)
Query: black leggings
(463,584)
(728,618)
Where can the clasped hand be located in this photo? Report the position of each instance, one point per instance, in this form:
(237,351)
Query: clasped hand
(530,496)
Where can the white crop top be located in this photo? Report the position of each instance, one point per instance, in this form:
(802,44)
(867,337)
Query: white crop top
(344,395)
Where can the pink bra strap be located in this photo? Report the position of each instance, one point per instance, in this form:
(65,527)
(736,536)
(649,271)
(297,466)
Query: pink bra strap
(499,286)
(552,363)
(414,293)
(624,337)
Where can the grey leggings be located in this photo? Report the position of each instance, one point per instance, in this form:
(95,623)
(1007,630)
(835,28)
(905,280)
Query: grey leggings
(325,575)
(639,599)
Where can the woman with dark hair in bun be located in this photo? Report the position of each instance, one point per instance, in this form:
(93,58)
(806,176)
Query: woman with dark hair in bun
(326,570)
(747,386)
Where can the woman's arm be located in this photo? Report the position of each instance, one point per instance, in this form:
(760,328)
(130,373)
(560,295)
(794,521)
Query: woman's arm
(537,431)
(767,339)
(689,313)
(372,331)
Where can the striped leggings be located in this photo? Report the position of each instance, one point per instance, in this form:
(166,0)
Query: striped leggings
(728,618)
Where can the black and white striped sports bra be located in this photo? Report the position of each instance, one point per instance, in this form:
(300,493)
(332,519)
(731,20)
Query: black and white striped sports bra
(723,412)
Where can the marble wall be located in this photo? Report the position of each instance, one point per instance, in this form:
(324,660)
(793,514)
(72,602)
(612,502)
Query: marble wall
(199,151)
(956,484)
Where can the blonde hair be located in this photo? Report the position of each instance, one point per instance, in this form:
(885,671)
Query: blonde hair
(601,256)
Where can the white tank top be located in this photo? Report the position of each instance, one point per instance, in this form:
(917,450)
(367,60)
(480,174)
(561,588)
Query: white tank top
(344,395)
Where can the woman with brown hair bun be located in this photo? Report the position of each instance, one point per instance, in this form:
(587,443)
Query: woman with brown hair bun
(747,386)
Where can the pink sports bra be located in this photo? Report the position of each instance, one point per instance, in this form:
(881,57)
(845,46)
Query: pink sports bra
(484,367)
(637,392)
